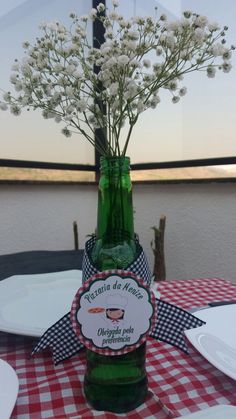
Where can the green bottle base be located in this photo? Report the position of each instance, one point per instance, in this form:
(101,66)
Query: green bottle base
(116,398)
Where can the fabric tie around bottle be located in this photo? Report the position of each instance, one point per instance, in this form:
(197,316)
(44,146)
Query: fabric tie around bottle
(169,327)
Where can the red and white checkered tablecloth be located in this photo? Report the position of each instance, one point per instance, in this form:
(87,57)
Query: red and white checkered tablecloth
(178,383)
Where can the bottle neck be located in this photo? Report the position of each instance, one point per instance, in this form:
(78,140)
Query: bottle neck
(114,166)
(115,208)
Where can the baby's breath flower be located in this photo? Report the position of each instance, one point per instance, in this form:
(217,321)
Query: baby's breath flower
(201,21)
(147,63)
(66,132)
(25,101)
(124,23)
(133,35)
(13,78)
(26,70)
(227,55)
(199,34)
(217,49)
(159,51)
(15,110)
(72,15)
(173,26)
(101,7)
(7,96)
(68,118)
(131,45)
(81,105)
(211,71)
(26,44)
(135,64)
(93,13)
(18,87)
(70,69)
(226,67)
(84,18)
(154,102)
(139,20)
(69,91)
(113,88)
(173,85)
(46,114)
(157,68)
(58,67)
(140,107)
(123,60)
(175,99)
(187,14)
(170,41)
(163,18)
(113,16)
(183,91)
(57,119)
(213,26)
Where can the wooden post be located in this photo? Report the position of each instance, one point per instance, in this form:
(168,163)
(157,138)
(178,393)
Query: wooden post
(159,269)
(76,236)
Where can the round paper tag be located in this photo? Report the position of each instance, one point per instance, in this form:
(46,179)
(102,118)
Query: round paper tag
(113,312)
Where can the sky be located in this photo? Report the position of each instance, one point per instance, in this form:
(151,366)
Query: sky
(202,125)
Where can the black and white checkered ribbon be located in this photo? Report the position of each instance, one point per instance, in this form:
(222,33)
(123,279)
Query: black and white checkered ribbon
(169,328)
(61,339)
(139,266)
(172,321)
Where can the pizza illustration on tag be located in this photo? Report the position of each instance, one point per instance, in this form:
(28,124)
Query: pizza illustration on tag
(96,310)
(113,312)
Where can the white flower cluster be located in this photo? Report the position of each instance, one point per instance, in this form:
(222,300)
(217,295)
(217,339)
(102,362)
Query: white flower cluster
(138,59)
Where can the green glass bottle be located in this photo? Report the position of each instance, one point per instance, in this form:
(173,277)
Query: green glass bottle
(115,383)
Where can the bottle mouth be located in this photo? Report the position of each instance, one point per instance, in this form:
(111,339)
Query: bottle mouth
(114,158)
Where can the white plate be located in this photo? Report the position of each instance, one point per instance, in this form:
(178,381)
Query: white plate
(215,412)
(216,340)
(9,386)
(30,304)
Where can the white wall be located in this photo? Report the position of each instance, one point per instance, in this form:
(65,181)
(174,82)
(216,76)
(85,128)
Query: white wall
(200,232)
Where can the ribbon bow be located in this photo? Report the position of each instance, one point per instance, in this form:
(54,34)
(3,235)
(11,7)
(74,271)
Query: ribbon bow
(171,322)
